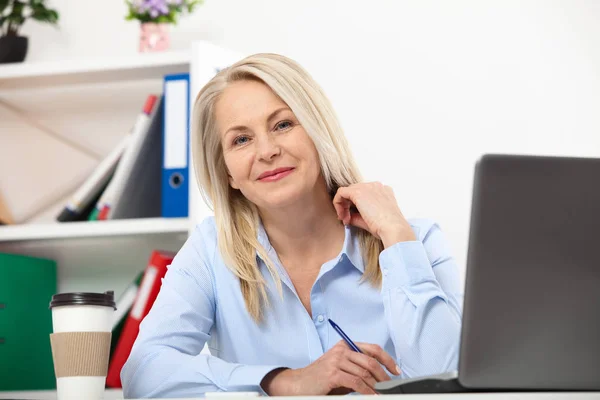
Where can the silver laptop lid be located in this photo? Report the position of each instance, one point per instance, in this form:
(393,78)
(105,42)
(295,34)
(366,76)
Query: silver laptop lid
(532,297)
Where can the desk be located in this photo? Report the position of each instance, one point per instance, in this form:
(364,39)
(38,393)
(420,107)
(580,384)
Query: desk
(117,394)
(453,396)
(473,396)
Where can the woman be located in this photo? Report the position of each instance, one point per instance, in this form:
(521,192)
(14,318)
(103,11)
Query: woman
(296,239)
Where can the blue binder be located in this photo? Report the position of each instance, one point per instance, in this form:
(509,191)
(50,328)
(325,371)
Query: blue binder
(175,165)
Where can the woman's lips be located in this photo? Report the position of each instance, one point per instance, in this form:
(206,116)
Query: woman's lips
(278,176)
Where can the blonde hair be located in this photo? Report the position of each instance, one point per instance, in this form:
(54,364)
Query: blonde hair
(236,218)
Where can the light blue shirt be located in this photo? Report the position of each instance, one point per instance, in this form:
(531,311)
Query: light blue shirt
(415,316)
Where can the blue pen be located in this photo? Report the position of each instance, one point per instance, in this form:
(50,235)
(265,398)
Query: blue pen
(344,336)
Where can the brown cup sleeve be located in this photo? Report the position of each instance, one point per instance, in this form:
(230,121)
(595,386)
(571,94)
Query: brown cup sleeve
(80,353)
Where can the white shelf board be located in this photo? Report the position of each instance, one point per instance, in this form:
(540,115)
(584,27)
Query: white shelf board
(88,71)
(83,229)
(96,256)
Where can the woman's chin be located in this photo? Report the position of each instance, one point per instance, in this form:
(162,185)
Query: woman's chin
(280,200)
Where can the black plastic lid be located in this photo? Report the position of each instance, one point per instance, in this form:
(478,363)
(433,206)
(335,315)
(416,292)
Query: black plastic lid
(84,299)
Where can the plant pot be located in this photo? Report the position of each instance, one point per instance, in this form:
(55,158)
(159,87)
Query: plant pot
(154,37)
(13,49)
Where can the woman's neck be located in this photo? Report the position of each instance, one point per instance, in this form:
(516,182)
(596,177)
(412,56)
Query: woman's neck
(311,230)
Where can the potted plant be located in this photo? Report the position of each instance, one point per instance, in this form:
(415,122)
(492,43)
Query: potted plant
(154,17)
(13,14)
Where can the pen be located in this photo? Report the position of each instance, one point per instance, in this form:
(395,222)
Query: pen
(344,336)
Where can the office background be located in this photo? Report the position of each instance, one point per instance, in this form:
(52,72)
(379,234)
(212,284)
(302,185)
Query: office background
(422,88)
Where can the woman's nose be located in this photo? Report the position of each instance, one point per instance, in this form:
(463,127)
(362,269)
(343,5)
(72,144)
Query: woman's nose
(267,147)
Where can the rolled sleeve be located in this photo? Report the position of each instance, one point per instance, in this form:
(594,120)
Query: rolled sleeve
(421,301)
(405,264)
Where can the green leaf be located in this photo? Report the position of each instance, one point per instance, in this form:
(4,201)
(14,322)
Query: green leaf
(3,5)
(42,14)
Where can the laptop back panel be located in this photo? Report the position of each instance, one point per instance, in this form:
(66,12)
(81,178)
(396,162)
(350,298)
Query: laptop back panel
(531,317)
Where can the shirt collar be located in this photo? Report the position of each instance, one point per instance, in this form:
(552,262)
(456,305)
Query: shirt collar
(350,250)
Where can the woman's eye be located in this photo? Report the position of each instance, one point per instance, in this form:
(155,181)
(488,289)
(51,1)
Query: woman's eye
(240,140)
(283,125)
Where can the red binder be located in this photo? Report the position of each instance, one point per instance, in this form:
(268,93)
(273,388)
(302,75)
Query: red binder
(147,293)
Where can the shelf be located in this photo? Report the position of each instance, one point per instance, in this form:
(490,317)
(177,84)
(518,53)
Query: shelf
(109,394)
(84,229)
(96,256)
(88,71)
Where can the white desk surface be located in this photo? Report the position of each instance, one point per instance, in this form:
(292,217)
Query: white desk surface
(117,394)
(453,396)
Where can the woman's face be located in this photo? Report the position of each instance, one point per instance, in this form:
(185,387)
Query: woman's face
(269,156)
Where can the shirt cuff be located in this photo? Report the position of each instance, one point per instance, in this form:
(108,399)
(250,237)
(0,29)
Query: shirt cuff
(404,264)
(250,377)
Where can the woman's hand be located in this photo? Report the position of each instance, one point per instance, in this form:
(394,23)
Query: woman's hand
(338,371)
(378,212)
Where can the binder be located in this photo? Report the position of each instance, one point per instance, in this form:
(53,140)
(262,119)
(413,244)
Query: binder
(27,285)
(124,305)
(121,178)
(175,164)
(140,196)
(147,293)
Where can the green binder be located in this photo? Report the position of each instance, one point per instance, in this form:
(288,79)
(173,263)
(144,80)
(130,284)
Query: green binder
(27,285)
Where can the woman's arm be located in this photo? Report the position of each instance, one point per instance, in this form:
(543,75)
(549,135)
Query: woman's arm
(165,360)
(423,302)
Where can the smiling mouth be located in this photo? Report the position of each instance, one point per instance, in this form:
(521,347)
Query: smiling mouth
(277,176)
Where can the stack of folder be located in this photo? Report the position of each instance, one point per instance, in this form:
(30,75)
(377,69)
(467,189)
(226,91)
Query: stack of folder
(146,174)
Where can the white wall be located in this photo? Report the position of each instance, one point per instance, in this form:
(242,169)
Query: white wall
(422,87)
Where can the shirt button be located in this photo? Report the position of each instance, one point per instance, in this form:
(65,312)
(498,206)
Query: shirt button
(320,318)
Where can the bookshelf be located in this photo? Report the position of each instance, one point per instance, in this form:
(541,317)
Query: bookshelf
(99,96)
(100,255)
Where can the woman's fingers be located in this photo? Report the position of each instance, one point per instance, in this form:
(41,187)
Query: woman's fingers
(356,370)
(358,221)
(380,355)
(353,382)
(342,203)
(346,369)
(370,364)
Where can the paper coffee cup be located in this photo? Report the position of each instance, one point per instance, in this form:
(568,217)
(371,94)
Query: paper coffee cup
(82,326)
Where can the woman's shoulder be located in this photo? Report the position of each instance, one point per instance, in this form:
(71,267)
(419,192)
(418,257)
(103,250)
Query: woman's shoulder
(434,240)
(423,227)
(204,237)
(207,227)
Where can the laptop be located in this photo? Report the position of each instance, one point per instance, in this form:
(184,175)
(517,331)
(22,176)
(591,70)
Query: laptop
(531,315)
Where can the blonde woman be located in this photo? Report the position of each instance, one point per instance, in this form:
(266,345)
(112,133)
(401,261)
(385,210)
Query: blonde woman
(296,239)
